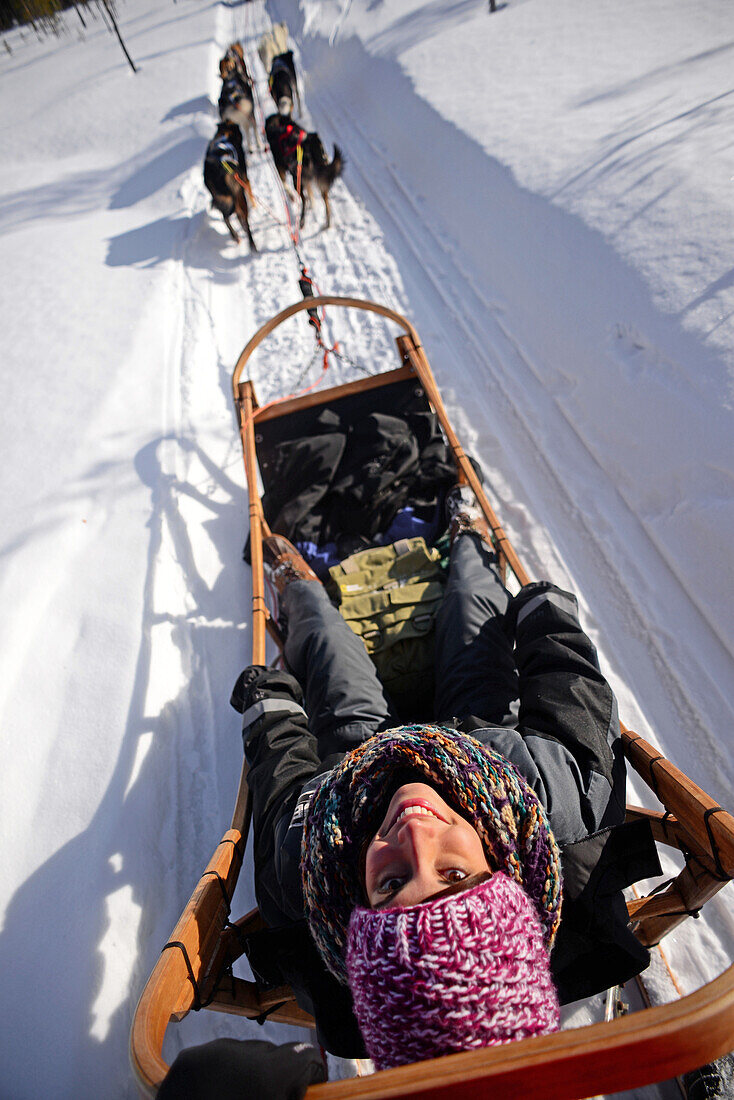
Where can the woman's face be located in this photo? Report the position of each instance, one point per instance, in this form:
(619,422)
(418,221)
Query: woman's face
(421,847)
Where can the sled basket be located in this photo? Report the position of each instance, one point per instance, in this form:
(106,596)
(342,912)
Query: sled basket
(195,967)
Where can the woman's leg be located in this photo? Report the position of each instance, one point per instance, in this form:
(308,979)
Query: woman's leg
(345,702)
(475,667)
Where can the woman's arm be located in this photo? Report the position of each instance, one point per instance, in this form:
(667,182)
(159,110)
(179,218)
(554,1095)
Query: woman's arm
(282,759)
(567,737)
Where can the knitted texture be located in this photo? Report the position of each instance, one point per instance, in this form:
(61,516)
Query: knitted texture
(479,783)
(469,970)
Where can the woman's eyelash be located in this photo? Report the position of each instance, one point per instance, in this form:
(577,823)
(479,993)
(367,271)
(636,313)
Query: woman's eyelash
(454,871)
(385,886)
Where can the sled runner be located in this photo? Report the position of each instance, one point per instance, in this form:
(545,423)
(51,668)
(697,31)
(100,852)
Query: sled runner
(195,967)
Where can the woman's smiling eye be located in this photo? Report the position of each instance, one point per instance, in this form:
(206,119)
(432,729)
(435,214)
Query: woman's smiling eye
(454,875)
(391,884)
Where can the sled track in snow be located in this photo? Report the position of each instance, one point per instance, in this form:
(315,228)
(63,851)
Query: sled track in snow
(615,559)
(509,404)
(505,373)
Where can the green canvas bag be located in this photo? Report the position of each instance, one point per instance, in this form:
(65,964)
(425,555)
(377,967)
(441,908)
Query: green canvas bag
(389,596)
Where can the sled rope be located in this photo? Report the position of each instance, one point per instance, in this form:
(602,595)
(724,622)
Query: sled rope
(305,281)
(195,985)
(306,285)
(268,210)
(296,392)
(293,229)
(199,1001)
(235,844)
(269,1012)
(244,184)
(260,114)
(721,874)
(225,895)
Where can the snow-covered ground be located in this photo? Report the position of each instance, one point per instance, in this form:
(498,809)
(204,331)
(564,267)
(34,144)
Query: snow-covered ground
(548,193)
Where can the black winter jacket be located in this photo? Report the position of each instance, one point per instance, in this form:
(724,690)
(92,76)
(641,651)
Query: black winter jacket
(566,745)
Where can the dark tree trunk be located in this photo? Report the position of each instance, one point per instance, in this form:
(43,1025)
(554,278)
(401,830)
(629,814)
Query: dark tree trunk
(119,36)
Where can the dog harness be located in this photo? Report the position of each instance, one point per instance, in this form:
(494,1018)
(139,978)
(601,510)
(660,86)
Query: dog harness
(290,139)
(224,152)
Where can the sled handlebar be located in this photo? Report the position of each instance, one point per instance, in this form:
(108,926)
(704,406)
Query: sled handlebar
(413,354)
(316,303)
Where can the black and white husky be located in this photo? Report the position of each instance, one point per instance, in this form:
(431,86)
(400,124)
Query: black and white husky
(283,84)
(237,104)
(225,177)
(285,139)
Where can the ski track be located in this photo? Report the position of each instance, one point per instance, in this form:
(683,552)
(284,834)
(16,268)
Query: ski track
(332,257)
(508,367)
(193,777)
(506,373)
(223,294)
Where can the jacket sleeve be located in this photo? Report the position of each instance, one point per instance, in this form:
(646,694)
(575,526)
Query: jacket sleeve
(282,760)
(567,739)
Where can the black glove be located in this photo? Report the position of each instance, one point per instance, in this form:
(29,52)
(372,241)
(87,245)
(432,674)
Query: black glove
(256,682)
(235,1069)
(527,593)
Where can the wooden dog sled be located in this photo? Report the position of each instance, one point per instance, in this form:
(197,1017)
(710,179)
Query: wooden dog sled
(195,967)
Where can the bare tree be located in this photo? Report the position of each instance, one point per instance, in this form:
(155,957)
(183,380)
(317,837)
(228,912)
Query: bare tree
(119,36)
(43,16)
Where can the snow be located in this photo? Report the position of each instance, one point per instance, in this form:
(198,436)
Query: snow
(547,194)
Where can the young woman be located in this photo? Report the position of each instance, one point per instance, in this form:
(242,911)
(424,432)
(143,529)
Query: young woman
(428,860)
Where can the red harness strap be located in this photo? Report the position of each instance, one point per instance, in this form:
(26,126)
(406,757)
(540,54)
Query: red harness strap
(290,138)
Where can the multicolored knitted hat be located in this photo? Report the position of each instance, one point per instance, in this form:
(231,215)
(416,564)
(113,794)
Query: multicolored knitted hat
(479,783)
(459,972)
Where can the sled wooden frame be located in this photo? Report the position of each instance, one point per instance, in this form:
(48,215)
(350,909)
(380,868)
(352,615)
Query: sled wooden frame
(655,1044)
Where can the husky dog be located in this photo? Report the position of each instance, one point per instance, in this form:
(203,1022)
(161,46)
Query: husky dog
(283,84)
(237,104)
(234,62)
(273,43)
(225,176)
(285,139)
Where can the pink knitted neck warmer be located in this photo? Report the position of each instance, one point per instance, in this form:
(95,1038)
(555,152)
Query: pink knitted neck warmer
(467,970)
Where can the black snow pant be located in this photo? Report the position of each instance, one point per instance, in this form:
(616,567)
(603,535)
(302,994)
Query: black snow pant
(475,667)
